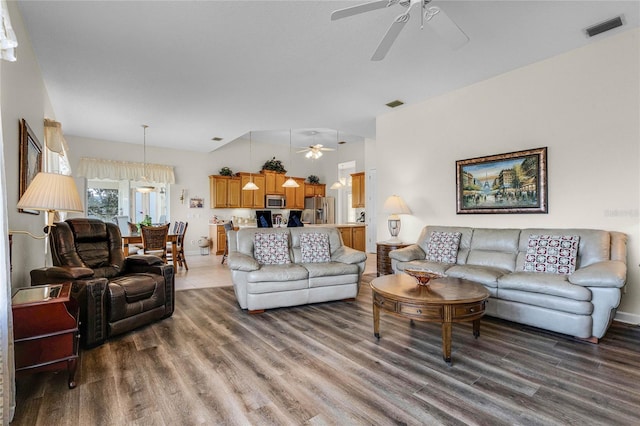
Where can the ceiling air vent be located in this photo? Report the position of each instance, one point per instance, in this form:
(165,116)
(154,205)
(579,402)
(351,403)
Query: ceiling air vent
(604,26)
(394,104)
(216,139)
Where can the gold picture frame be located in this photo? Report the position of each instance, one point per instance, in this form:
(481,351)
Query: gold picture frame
(30,160)
(515,182)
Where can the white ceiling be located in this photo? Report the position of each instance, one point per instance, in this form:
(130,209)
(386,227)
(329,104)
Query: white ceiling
(194,70)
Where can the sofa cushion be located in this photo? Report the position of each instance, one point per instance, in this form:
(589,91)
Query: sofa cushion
(497,248)
(553,284)
(424,265)
(271,248)
(553,254)
(286,272)
(443,247)
(315,247)
(556,303)
(485,275)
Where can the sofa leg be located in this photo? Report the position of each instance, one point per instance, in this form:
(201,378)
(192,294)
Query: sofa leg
(351,299)
(591,339)
(257,311)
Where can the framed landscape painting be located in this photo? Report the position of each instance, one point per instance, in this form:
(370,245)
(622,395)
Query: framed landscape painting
(30,160)
(515,182)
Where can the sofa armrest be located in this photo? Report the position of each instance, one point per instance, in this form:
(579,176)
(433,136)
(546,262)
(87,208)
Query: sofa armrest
(241,262)
(58,274)
(348,255)
(610,273)
(407,254)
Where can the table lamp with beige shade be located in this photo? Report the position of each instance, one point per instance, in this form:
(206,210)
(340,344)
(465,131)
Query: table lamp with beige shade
(395,206)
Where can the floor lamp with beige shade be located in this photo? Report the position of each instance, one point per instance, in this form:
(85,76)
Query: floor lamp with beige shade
(50,192)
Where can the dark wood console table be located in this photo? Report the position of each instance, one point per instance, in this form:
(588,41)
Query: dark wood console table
(45,328)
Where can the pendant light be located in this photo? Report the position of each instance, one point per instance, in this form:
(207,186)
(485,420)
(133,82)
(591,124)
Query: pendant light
(290,183)
(250,186)
(337,184)
(146,188)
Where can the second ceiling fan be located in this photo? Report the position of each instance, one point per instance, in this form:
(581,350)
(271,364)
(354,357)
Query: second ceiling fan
(435,17)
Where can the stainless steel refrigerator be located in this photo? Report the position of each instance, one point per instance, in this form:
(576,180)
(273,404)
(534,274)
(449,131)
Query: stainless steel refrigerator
(319,210)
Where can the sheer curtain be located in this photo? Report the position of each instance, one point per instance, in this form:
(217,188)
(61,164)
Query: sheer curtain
(8,43)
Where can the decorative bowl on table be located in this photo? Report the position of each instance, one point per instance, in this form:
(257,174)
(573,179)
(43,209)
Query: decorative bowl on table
(422,276)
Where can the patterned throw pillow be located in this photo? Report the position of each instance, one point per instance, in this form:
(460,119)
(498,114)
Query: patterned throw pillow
(315,247)
(271,248)
(443,247)
(553,254)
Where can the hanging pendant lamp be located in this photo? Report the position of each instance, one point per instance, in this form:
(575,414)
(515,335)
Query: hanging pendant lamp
(146,188)
(337,184)
(290,183)
(250,186)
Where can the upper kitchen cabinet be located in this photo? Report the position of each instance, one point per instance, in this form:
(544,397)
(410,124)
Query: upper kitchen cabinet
(253,199)
(295,196)
(314,189)
(224,192)
(357,190)
(273,182)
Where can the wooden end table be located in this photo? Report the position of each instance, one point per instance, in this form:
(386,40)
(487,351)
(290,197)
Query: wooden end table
(443,300)
(382,256)
(45,328)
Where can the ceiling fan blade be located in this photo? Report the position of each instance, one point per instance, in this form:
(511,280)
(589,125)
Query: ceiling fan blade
(361,8)
(390,37)
(445,27)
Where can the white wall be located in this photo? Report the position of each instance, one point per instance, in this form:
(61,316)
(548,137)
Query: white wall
(23,96)
(583,105)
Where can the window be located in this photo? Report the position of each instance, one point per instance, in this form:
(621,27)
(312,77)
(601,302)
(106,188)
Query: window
(108,198)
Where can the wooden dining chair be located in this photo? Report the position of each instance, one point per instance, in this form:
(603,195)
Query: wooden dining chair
(227,227)
(154,241)
(181,230)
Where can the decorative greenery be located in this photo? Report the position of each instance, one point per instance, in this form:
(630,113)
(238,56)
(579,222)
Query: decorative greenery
(313,179)
(274,165)
(225,171)
(146,222)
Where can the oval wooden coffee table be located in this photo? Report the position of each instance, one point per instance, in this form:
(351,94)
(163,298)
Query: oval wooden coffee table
(444,300)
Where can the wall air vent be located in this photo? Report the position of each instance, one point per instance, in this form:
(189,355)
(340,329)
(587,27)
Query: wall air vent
(394,104)
(604,26)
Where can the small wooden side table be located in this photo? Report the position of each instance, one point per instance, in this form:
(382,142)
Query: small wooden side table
(384,263)
(45,328)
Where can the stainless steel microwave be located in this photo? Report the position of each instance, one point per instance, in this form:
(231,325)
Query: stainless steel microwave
(275,201)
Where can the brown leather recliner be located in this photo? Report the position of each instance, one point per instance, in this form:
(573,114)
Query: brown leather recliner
(116,294)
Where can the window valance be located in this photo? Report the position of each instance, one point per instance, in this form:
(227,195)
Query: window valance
(97,168)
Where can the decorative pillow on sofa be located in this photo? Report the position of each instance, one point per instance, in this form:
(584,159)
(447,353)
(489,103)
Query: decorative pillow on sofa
(271,248)
(315,247)
(443,247)
(553,254)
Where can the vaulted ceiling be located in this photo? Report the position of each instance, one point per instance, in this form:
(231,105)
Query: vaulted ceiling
(195,70)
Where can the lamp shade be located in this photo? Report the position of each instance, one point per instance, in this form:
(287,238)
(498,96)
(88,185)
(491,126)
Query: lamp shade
(51,192)
(395,205)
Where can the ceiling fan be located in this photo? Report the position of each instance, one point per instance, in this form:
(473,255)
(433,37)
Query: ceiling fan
(315,151)
(435,17)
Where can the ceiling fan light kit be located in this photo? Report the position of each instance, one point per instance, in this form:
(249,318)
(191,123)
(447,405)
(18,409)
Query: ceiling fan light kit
(435,17)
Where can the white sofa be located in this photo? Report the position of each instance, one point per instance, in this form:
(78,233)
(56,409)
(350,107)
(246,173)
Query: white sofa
(266,286)
(580,304)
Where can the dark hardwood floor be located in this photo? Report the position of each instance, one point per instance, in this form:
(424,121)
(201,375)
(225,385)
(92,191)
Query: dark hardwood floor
(212,363)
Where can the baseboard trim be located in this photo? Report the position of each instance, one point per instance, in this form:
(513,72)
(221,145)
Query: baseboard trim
(627,318)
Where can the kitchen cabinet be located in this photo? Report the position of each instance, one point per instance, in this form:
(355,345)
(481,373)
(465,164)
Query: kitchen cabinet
(252,199)
(314,189)
(295,196)
(218,238)
(273,182)
(354,236)
(357,190)
(224,192)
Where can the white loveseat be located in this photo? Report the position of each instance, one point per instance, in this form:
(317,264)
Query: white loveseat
(581,304)
(265,286)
